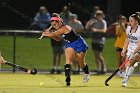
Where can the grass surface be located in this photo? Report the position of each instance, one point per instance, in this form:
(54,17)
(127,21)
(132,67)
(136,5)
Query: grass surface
(31,52)
(23,83)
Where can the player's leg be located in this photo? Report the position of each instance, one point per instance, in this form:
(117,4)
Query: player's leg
(80,57)
(129,70)
(97,61)
(120,59)
(102,62)
(100,59)
(60,52)
(54,60)
(137,64)
(70,55)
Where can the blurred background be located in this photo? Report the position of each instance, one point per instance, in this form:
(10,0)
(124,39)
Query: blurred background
(82,8)
(31,52)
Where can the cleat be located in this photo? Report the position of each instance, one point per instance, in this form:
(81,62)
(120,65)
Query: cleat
(120,74)
(68,79)
(68,83)
(86,78)
(52,71)
(124,83)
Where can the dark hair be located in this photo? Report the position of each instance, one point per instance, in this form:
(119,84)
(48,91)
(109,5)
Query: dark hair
(136,16)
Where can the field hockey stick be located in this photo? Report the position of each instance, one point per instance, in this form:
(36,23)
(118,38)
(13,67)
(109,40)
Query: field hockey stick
(114,73)
(4,4)
(60,16)
(28,71)
(42,35)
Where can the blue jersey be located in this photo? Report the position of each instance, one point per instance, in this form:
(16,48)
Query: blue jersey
(75,41)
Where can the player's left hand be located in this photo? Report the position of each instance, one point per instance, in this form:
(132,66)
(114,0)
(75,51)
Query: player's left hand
(45,33)
(1,60)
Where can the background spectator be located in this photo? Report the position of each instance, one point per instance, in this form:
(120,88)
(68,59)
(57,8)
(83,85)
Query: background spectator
(41,19)
(94,9)
(58,50)
(66,16)
(76,24)
(98,29)
(119,42)
(111,30)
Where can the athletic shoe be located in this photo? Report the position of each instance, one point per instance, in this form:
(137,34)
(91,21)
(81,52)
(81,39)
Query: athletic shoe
(68,79)
(124,84)
(52,71)
(120,74)
(58,71)
(86,78)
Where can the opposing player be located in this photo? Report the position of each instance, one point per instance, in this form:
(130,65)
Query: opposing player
(131,44)
(75,46)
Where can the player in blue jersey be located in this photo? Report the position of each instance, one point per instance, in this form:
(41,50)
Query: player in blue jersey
(75,46)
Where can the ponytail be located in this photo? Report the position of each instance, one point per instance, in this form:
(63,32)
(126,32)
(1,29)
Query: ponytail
(136,16)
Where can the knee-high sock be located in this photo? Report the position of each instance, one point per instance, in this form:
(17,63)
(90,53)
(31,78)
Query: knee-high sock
(67,70)
(86,70)
(129,72)
(126,71)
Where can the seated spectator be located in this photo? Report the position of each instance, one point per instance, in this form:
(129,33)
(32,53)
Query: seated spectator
(41,19)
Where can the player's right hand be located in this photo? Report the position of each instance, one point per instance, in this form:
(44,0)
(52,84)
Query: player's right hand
(123,53)
(131,56)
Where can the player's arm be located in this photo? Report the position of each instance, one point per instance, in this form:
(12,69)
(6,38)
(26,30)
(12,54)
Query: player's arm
(99,30)
(104,29)
(118,31)
(137,49)
(54,35)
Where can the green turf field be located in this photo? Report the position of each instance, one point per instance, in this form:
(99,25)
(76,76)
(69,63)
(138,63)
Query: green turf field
(31,52)
(23,83)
